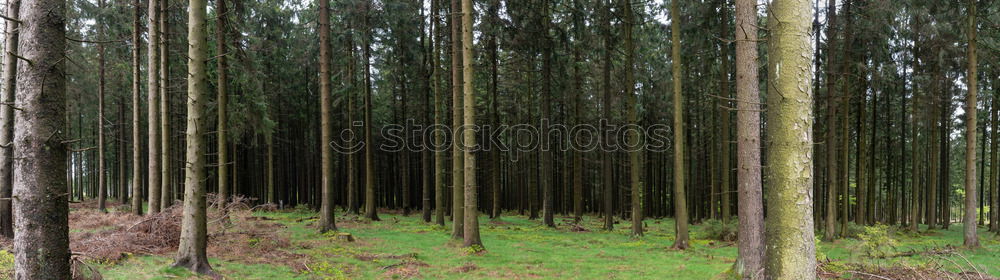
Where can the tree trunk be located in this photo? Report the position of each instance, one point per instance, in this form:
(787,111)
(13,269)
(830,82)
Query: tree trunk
(832,176)
(971,236)
(439,154)
(457,176)
(680,199)
(725,115)
(635,169)
(136,142)
(545,154)
(102,189)
(41,233)
(750,262)
(607,171)
(326,217)
(166,195)
(194,229)
(791,251)
(222,100)
(578,174)
(370,210)
(471,223)
(153,100)
(9,80)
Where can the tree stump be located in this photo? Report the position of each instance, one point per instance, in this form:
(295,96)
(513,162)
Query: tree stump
(346,237)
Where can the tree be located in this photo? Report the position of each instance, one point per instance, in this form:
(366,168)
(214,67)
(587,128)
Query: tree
(153,101)
(750,262)
(635,168)
(9,80)
(326,218)
(680,199)
(457,176)
(439,192)
(545,154)
(371,212)
(724,113)
(191,252)
(606,165)
(471,224)
(971,236)
(791,251)
(832,177)
(41,230)
(102,187)
(166,194)
(222,100)
(136,143)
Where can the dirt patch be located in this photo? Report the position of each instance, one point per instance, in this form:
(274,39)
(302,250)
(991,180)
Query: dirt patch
(466,268)
(405,269)
(872,272)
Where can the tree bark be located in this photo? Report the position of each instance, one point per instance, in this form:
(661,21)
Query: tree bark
(41,231)
(136,142)
(471,223)
(457,175)
(194,230)
(9,79)
(326,217)
(153,100)
(166,195)
(725,115)
(439,154)
(102,188)
(371,212)
(222,100)
(971,236)
(832,177)
(607,171)
(750,262)
(791,251)
(635,167)
(680,199)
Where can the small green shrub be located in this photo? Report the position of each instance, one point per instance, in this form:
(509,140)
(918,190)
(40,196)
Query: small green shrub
(6,265)
(326,271)
(721,231)
(877,241)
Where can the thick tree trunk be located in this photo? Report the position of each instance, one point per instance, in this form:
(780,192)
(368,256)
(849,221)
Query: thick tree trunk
(153,100)
(326,217)
(791,251)
(194,229)
(750,262)
(545,154)
(471,223)
(9,80)
(371,212)
(971,236)
(41,227)
(680,199)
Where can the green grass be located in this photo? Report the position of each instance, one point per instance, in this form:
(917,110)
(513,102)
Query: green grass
(399,247)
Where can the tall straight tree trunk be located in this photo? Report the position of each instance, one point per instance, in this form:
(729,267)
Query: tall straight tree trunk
(9,80)
(545,154)
(607,171)
(680,199)
(750,262)
(994,168)
(371,212)
(494,49)
(457,175)
(102,188)
(724,114)
(791,251)
(269,141)
(352,163)
(832,177)
(326,218)
(41,230)
(862,158)
(635,168)
(121,153)
(578,174)
(971,236)
(471,224)
(166,194)
(425,156)
(194,228)
(136,142)
(439,161)
(222,100)
(41,214)
(153,100)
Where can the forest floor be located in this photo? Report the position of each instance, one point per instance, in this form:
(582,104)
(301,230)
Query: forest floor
(285,245)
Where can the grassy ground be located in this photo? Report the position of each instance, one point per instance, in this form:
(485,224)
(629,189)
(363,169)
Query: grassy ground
(404,247)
